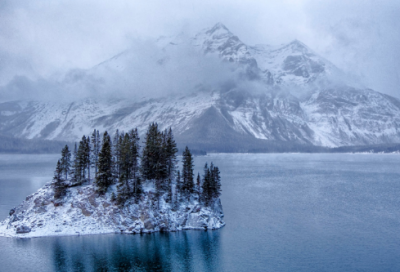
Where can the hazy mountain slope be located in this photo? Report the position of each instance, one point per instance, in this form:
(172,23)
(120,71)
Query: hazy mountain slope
(253,107)
(293,64)
(348,116)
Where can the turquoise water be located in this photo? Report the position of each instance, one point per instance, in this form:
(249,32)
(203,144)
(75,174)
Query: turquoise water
(283,212)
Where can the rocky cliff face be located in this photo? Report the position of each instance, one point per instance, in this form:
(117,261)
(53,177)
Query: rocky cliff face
(82,211)
(280,95)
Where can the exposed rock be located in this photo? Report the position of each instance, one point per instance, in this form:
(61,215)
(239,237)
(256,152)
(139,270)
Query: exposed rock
(82,211)
(12,211)
(23,229)
(296,99)
(43,209)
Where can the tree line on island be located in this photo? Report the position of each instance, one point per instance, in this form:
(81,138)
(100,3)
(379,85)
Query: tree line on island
(121,161)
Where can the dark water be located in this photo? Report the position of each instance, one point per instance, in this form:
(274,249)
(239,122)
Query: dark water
(283,212)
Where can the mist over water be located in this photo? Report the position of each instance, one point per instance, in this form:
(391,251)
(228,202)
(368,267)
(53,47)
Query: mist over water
(283,212)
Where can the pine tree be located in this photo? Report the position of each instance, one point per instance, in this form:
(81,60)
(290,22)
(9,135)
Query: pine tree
(116,151)
(65,161)
(198,184)
(125,166)
(171,151)
(80,158)
(129,180)
(95,140)
(59,185)
(212,180)
(75,171)
(216,183)
(151,153)
(187,173)
(135,147)
(104,176)
(178,187)
(87,152)
(207,191)
(161,164)
(170,154)
(82,161)
(211,184)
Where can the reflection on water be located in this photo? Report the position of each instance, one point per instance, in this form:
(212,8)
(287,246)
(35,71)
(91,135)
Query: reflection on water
(180,251)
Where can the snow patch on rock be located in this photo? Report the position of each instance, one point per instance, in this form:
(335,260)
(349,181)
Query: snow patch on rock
(82,211)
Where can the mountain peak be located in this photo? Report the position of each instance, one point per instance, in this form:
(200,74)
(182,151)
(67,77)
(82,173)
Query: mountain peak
(218,27)
(298,46)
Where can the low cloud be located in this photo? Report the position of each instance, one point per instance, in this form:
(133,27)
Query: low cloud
(40,40)
(145,69)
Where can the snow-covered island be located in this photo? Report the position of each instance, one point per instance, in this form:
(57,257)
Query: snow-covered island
(131,192)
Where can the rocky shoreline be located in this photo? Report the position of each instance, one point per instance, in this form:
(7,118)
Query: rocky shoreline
(83,211)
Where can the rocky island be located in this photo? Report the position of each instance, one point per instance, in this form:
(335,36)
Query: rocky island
(134,190)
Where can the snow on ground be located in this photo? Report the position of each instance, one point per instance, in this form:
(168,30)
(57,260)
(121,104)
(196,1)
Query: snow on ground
(83,211)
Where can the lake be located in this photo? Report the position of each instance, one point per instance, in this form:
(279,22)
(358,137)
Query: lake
(283,212)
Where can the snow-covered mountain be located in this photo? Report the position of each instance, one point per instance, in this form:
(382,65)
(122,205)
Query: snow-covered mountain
(254,105)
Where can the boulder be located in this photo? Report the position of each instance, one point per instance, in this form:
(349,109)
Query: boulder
(23,229)
(12,211)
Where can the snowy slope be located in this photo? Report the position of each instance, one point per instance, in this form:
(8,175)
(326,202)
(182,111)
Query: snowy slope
(293,64)
(70,120)
(221,41)
(348,116)
(256,102)
(82,212)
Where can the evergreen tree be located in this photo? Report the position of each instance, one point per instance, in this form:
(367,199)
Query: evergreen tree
(157,162)
(168,185)
(87,152)
(198,184)
(80,158)
(159,158)
(59,185)
(211,184)
(65,161)
(82,161)
(170,151)
(75,172)
(216,188)
(187,173)
(178,187)
(104,176)
(129,180)
(125,166)
(161,164)
(171,161)
(135,157)
(116,151)
(95,140)
(137,188)
(207,191)
(151,153)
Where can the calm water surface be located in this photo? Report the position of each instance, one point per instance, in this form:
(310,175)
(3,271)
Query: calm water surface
(283,212)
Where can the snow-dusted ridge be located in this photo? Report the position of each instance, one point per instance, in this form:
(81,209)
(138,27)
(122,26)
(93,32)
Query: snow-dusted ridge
(287,94)
(83,212)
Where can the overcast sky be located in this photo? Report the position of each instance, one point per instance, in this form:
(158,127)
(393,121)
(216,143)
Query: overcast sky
(42,37)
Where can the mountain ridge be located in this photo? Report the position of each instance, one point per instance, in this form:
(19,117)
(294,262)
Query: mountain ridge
(257,100)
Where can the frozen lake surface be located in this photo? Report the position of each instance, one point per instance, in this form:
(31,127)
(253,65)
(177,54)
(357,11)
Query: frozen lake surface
(283,212)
